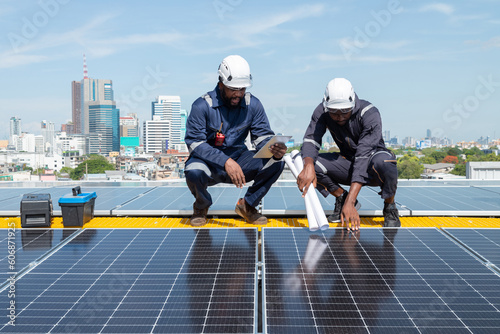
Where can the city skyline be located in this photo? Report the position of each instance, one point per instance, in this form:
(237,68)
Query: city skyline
(428,65)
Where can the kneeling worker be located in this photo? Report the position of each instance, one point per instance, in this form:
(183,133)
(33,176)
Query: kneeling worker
(356,127)
(216,130)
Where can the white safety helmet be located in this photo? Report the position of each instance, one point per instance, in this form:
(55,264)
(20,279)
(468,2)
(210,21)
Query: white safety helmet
(339,94)
(234,72)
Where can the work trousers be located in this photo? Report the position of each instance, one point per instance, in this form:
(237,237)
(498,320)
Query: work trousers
(332,170)
(200,175)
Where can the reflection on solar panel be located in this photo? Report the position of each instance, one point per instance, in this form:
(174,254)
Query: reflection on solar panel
(137,281)
(463,201)
(29,245)
(281,200)
(108,197)
(380,281)
(484,242)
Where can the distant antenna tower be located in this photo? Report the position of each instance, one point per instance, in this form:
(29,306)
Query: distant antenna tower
(85,72)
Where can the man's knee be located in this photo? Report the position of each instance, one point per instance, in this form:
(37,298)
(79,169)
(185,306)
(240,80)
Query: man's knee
(386,168)
(197,172)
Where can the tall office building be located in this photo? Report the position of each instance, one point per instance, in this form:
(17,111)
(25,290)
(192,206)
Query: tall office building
(99,117)
(104,126)
(156,135)
(69,128)
(129,125)
(168,108)
(15,129)
(48,134)
(76,105)
(387,136)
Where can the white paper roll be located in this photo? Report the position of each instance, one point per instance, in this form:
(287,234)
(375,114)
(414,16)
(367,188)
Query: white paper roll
(318,211)
(311,216)
(289,162)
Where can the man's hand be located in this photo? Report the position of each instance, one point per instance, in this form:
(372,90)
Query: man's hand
(235,173)
(350,215)
(307,176)
(278,150)
(349,212)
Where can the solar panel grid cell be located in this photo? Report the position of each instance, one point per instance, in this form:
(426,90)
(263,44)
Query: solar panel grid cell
(411,280)
(118,281)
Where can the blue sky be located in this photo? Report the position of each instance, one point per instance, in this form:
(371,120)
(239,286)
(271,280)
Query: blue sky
(424,64)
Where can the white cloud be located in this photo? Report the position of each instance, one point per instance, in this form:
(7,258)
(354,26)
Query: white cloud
(491,43)
(28,51)
(438,7)
(247,34)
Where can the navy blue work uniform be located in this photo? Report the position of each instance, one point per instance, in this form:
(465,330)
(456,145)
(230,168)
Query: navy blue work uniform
(205,166)
(363,157)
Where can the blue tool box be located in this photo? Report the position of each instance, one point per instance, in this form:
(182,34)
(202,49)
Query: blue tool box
(77,207)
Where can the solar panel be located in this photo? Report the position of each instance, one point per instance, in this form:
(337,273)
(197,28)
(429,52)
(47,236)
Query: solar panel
(129,280)
(457,201)
(380,281)
(484,242)
(108,197)
(288,200)
(179,200)
(28,245)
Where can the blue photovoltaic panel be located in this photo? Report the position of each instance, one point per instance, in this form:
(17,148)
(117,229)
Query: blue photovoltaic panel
(11,204)
(377,281)
(28,244)
(161,200)
(483,241)
(489,188)
(461,201)
(179,200)
(107,197)
(143,281)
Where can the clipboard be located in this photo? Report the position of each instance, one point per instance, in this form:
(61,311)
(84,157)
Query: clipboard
(264,151)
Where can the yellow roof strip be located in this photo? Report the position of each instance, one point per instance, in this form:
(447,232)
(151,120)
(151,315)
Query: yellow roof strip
(224,222)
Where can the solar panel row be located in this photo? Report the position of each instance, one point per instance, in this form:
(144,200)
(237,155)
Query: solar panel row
(205,281)
(281,200)
(121,281)
(380,281)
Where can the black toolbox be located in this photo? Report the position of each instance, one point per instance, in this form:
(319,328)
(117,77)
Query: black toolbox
(77,208)
(36,210)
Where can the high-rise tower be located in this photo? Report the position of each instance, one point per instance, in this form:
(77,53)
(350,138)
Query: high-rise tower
(95,112)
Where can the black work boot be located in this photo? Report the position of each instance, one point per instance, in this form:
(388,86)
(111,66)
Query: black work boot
(391,215)
(199,217)
(339,203)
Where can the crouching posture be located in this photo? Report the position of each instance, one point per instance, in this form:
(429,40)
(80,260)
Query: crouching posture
(216,130)
(356,127)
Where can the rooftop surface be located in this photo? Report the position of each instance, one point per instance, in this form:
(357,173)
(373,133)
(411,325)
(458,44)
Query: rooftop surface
(139,267)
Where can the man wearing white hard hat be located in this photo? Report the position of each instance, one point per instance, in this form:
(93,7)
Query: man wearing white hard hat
(216,130)
(356,127)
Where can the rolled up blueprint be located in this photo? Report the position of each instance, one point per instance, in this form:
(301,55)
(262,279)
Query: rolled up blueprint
(311,217)
(313,198)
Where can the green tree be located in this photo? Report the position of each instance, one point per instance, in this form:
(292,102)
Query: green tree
(458,170)
(473,152)
(290,149)
(428,151)
(96,164)
(454,151)
(428,160)
(438,155)
(409,167)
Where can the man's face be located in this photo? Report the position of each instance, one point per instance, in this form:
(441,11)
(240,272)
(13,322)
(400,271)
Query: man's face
(340,116)
(231,96)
